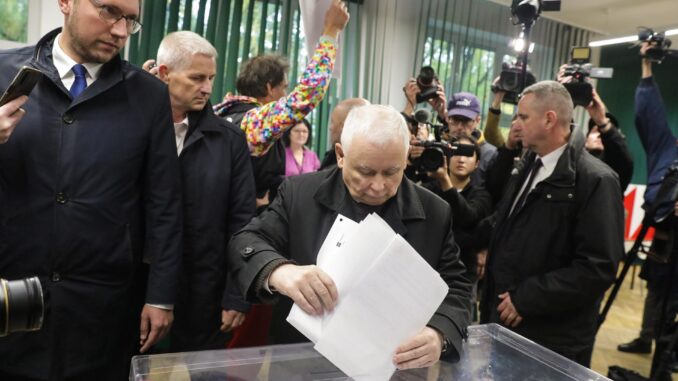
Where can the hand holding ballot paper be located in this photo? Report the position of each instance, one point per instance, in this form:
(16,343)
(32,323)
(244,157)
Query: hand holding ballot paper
(367,257)
(387,295)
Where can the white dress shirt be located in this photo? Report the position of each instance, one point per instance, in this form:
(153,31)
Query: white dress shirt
(64,63)
(180,131)
(548,162)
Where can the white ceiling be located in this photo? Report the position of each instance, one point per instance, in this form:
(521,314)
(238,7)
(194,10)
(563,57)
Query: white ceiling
(615,18)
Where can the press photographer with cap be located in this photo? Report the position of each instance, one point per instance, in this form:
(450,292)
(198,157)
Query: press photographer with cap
(463,118)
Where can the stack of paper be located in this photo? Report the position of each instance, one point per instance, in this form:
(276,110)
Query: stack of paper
(387,294)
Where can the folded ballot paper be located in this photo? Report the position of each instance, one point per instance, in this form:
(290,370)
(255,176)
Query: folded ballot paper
(387,294)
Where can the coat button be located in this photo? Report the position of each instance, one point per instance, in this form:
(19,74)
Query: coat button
(56,277)
(549,196)
(68,118)
(248,250)
(61,198)
(570,195)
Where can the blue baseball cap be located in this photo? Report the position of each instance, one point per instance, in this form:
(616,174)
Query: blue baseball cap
(463,104)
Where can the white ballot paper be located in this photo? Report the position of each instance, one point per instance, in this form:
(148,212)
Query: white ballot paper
(310,325)
(387,293)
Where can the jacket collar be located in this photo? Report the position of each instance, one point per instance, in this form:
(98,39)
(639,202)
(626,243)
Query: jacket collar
(407,205)
(199,125)
(111,72)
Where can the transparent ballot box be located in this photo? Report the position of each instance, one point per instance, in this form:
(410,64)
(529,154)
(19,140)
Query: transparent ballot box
(491,353)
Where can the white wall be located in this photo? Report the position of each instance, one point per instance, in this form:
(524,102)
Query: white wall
(390,32)
(43,16)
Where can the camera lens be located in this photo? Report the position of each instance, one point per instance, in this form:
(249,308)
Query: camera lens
(21,305)
(426,76)
(432,159)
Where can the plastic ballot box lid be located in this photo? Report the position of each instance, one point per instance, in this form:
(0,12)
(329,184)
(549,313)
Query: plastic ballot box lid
(490,353)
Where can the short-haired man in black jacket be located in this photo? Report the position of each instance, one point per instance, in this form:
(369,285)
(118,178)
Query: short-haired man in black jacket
(559,232)
(277,250)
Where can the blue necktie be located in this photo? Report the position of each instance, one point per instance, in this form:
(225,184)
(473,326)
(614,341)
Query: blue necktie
(80,82)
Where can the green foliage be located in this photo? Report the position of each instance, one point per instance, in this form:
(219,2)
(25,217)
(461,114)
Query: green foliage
(14,20)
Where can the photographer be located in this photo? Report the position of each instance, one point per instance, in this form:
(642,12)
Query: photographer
(470,203)
(604,140)
(660,147)
(463,118)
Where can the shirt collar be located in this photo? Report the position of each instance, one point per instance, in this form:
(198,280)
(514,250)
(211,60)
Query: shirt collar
(183,122)
(550,160)
(64,63)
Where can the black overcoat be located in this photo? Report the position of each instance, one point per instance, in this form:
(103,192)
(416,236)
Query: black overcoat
(87,187)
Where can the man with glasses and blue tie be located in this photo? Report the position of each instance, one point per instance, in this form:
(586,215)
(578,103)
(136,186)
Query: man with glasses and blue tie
(89,185)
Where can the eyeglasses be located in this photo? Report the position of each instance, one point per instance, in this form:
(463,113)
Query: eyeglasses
(112,15)
(456,120)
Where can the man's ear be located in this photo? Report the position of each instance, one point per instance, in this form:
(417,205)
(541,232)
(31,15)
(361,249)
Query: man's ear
(551,119)
(163,72)
(66,6)
(339,151)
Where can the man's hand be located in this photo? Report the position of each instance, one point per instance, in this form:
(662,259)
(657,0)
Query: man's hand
(411,89)
(415,151)
(498,98)
(155,324)
(150,67)
(420,351)
(507,311)
(481,259)
(439,103)
(646,65)
(442,174)
(336,19)
(596,111)
(262,201)
(231,319)
(308,286)
(514,140)
(675,209)
(10,115)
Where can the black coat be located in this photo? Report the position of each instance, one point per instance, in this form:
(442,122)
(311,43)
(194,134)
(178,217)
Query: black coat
(558,254)
(297,222)
(86,185)
(469,207)
(617,154)
(218,200)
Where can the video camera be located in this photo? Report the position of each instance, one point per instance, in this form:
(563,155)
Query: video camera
(436,152)
(428,84)
(528,11)
(511,81)
(21,305)
(580,69)
(659,44)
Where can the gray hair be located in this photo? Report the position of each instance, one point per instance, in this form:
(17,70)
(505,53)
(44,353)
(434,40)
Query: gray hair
(178,48)
(381,125)
(551,95)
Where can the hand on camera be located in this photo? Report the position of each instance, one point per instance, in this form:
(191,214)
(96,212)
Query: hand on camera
(596,110)
(308,286)
(439,103)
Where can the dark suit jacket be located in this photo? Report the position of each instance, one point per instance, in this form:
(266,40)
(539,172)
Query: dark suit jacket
(86,185)
(297,222)
(218,185)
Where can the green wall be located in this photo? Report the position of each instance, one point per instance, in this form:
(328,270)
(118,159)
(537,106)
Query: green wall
(618,94)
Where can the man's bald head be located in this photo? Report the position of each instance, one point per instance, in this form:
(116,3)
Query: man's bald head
(339,114)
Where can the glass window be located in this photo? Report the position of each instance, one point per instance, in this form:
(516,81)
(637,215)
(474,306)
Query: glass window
(14,20)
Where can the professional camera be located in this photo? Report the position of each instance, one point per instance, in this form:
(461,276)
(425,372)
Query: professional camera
(659,44)
(436,152)
(428,84)
(21,305)
(528,11)
(511,81)
(580,69)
